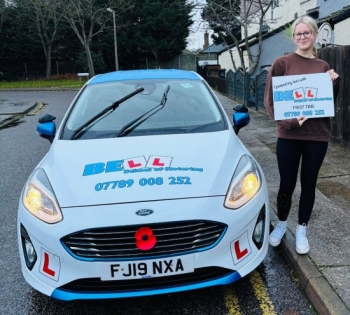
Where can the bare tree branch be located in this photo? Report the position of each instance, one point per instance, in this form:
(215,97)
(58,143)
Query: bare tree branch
(41,18)
(252,15)
(88,18)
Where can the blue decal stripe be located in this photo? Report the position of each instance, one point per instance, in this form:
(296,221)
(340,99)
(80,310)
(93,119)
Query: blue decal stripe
(70,296)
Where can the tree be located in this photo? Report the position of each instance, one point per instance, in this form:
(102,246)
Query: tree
(88,18)
(18,50)
(252,15)
(219,35)
(157,30)
(2,12)
(42,18)
(97,59)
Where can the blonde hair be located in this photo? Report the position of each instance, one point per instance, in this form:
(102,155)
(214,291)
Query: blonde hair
(310,22)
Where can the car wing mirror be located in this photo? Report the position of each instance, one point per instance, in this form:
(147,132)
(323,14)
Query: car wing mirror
(240,117)
(47,128)
(47,117)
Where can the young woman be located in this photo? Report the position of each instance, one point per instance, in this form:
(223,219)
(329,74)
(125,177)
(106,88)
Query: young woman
(299,138)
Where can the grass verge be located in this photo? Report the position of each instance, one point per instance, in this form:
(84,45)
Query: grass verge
(42,83)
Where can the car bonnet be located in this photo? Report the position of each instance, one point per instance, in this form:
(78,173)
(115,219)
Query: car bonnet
(135,169)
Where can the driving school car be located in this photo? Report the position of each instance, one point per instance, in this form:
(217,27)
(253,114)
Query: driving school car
(146,190)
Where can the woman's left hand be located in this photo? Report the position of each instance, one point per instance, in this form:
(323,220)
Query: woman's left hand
(333,74)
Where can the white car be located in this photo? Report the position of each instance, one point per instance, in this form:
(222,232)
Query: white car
(146,190)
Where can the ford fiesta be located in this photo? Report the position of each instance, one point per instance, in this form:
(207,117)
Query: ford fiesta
(146,190)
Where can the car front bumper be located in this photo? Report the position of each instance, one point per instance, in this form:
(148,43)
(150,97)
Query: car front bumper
(57,270)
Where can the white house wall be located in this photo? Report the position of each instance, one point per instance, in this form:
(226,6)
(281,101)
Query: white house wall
(278,45)
(252,29)
(305,5)
(285,12)
(281,14)
(225,59)
(341,33)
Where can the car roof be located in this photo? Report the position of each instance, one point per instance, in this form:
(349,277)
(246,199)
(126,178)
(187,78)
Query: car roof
(144,75)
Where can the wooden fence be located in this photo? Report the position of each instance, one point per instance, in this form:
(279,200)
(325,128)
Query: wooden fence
(218,84)
(339,60)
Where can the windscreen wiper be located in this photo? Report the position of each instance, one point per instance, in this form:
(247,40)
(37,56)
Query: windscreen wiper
(137,121)
(110,108)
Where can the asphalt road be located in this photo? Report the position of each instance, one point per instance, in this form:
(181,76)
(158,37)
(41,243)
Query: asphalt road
(271,289)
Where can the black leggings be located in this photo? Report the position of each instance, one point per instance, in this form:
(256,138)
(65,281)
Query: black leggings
(288,154)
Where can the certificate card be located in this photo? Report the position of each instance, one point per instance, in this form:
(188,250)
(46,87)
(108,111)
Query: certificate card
(310,95)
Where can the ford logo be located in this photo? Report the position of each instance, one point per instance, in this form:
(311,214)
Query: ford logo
(144,212)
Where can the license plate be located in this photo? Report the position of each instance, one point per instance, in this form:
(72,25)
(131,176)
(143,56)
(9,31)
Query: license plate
(146,268)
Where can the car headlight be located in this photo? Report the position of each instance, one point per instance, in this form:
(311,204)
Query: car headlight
(39,198)
(245,183)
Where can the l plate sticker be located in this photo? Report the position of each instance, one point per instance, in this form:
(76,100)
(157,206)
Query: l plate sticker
(50,265)
(240,248)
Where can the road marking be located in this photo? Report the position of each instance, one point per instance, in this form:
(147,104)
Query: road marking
(41,105)
(261,294)
(231,301)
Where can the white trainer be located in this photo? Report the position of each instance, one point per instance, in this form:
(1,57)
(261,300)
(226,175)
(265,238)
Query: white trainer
(302,244)
(277,234)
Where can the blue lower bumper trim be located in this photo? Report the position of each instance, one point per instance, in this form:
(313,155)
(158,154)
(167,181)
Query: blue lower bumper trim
(70,296)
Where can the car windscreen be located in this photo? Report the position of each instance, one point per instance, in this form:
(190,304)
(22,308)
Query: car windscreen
(189,107)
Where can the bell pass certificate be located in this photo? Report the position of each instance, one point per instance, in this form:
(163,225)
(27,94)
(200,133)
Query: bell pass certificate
(310,95)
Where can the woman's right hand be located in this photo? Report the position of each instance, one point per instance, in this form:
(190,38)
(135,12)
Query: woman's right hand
(301,120)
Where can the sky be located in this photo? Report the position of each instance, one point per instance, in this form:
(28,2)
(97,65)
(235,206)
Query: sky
(196,38)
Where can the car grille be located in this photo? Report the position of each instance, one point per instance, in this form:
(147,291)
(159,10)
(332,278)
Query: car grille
(97,285)
(119,242)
